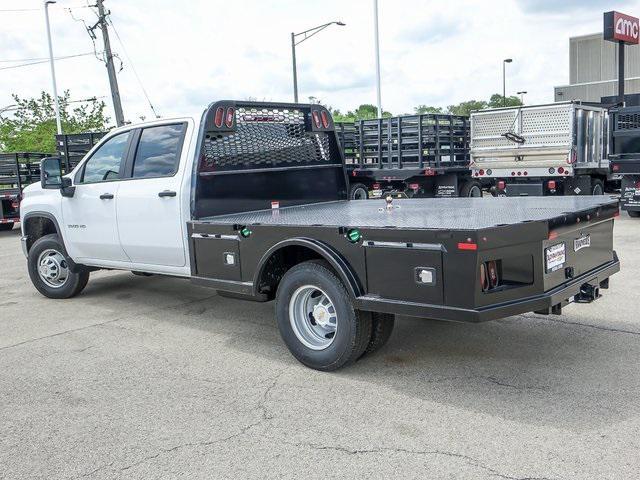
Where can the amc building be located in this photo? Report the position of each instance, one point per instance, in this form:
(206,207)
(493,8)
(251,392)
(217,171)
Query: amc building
(593,69)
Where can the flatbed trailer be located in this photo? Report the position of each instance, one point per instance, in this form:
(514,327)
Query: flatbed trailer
(72,147)
(424,155)
(625,155)
(17,170)
(251,199)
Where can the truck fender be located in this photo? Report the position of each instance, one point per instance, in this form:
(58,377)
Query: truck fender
(341,267)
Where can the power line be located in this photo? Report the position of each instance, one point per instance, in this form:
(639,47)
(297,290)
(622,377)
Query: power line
(45,61)
(39,58)
(11,10)
(135,72)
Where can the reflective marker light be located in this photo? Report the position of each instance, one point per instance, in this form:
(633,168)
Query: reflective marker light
(467,246)
(325,119)
(228,120)
(354,235)
(217,121)
(245,232)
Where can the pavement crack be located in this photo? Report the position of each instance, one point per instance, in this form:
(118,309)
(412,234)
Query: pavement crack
(264,417)
(587,325)
(468,459)
(93,325)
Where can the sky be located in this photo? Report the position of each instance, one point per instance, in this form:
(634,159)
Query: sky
(189,53)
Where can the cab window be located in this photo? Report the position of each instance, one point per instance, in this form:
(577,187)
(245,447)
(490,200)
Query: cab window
(158,152)
(106,162)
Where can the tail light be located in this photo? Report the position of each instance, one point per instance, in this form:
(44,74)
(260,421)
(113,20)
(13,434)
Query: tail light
(551,184)
(501,185)
(481,171)
(525,173)
(615,168)
(414,186)
(228,119)
(489,275)
(316,119)
(376,186)
(484,279)
(492,273)
(15,204)
(325,118)
(219,117)
(560,170)
(638,184)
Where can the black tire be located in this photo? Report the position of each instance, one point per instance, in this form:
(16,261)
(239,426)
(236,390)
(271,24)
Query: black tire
(597,186)
(74,283)
(359,191)
(353,327)
(471,188)
(5,227)
(381,328)
(634,213)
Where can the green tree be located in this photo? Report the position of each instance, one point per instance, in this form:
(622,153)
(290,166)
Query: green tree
(365,111)
(465,108)
(32,127)
(496,101)
(420,109)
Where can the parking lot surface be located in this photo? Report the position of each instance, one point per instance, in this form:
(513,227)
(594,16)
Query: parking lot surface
(155,378)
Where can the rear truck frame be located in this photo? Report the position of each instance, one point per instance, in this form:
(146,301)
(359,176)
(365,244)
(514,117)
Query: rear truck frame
(540,150)
(256,207)
(424,155)
(17,170)
(625,156)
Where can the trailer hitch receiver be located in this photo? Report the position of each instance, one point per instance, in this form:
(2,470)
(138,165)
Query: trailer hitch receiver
(588,293)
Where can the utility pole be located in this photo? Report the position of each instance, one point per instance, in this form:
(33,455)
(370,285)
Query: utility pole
(113,80)
(53,68)
(377,54)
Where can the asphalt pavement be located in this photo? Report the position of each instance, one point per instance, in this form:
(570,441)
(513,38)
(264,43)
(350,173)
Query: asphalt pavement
(155,378)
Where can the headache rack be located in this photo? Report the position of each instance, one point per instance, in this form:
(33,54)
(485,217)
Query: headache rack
(73,147)
(435,141)
(254,155)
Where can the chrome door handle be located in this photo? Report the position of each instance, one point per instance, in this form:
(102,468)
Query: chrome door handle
(167,193)
(106,196)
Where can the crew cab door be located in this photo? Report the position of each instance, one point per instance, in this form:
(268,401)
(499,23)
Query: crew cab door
(149,213)
(89,217)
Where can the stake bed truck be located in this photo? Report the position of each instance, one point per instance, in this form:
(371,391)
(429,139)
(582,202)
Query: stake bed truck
(251,199)
(625,156)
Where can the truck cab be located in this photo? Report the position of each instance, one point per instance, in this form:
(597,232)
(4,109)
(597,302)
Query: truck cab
(126,203)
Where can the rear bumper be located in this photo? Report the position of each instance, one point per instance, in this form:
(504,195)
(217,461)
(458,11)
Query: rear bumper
(560,295)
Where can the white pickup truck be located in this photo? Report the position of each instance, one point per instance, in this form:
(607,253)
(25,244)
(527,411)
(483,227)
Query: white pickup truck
(251,199)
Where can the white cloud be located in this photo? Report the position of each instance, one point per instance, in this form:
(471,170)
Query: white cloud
(191,52)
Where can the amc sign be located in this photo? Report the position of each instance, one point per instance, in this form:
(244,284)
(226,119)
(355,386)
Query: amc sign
(619,27)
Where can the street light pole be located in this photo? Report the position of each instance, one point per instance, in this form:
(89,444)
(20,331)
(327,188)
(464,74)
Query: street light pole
(306,35)
(377,53)
(504,80)
(522,94)
(53,69)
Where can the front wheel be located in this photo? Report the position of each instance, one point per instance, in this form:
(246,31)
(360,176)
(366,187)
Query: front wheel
(634,213)
(50,271)
(317,320)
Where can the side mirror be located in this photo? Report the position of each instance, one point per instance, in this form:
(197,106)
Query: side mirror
(51,173)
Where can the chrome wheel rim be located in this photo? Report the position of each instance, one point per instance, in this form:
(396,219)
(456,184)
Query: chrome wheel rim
(475,191)
(313,317)
(53,269)
(359,194)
